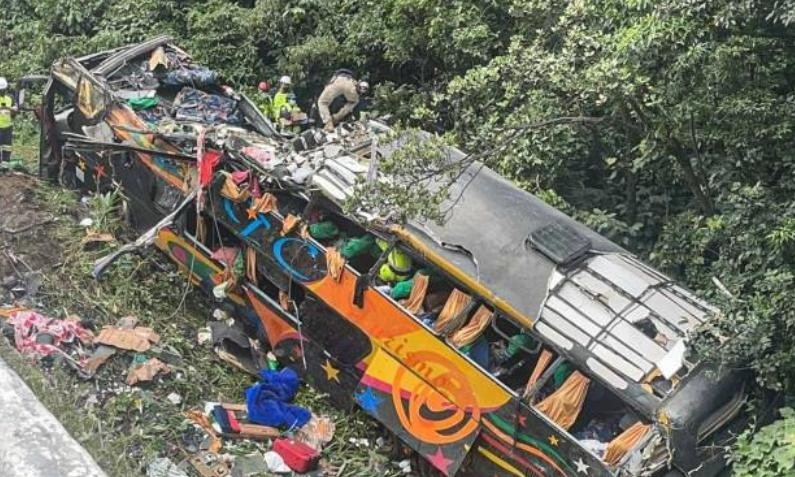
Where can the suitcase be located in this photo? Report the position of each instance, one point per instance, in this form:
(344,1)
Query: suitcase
(298,456)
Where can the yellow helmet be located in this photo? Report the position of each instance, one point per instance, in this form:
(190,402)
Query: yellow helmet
(397,268)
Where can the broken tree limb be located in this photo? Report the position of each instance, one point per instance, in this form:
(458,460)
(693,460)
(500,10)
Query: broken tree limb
(146,239)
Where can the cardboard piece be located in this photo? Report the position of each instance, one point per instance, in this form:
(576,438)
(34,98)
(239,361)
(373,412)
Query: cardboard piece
(138,339)
(147,371)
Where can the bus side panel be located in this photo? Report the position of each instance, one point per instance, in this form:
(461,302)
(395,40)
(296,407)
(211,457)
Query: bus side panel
(412,408)
(323,371)
(516,438)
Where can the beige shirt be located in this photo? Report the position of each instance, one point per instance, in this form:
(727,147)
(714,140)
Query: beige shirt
(341,85)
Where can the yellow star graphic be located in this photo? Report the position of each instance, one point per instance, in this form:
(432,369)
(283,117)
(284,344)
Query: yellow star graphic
(331,371)
(252,213)
(553,440)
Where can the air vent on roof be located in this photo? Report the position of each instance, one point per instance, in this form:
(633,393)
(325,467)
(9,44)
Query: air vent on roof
(560,243)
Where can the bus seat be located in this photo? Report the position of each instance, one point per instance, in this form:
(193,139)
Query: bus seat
(564,405)
(451,314)
(473,329)
(335,263)
(418,291)
(624,442)
(541,365)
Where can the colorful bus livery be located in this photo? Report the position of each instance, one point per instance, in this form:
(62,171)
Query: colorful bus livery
(522,342)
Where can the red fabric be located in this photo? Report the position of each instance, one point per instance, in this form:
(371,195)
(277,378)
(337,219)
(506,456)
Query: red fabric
(233,422)
(28,324)
(298,456)
(207,164)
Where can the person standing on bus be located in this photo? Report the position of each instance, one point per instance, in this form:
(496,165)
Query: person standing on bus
(340,98)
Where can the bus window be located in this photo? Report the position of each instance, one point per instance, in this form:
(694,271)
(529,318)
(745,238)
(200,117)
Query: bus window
(339,337)
(598,419)
(356,245)
(517,357)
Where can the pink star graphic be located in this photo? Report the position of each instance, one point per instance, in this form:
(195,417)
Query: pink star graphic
(522,420)
(439,460)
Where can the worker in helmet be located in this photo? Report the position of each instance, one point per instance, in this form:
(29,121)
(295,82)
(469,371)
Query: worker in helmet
(7,111)
(264,100)
(339,98)
(397,267)
(284,103)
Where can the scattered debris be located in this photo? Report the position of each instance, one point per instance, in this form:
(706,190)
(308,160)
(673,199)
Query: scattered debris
(174,398)
(87,222)
(276,463)
(164,467)
(146,370)
(209,465)
(137,339)
(317,432)
(359,442)
(204,335)
(405,466)
(100,355)
(234,346)
(220,314)
(252,465)
(201,420)
(93,239)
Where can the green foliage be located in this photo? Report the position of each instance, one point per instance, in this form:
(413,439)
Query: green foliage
(420,178)
(770,452)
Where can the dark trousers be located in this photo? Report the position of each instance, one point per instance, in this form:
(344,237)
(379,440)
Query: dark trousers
(6,139)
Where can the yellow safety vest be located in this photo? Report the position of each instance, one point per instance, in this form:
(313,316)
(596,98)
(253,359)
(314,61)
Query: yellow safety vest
(5,111)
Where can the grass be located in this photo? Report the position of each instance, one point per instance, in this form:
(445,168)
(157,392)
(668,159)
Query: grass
(125,428)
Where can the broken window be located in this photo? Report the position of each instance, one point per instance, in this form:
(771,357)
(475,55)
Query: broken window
(355,244)
(339,337)
(599,420)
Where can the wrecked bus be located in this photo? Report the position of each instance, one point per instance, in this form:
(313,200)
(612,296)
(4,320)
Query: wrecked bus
(526,343)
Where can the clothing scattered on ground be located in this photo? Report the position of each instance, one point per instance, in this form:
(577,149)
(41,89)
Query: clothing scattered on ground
(268,401)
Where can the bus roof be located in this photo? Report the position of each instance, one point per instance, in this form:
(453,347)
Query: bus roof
(622,319)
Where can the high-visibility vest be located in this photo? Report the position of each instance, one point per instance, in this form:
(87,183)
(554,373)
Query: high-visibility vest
(5,111)
(397,267)
(282,100)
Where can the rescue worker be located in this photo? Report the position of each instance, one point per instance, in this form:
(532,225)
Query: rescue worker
(284,100)
(397,267)
(7,110)
(264,100)
(339,98)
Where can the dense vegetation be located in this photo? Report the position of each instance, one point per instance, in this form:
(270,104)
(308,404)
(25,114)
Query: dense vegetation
(667,125)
